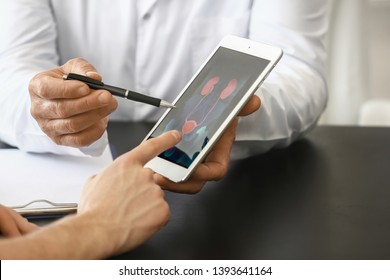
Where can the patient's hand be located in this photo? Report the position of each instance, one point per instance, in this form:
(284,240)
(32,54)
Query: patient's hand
(12,224)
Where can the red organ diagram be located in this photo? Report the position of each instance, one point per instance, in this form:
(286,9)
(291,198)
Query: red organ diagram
(210,97)
(200,113)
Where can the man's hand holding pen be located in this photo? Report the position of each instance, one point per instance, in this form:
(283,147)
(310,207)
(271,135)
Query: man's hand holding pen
(120,92)
(69,112)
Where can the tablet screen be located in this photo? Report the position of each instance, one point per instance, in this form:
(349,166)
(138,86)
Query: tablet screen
(208,101)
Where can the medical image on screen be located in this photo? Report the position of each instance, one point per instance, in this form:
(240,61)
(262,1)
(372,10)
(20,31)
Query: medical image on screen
(208,101)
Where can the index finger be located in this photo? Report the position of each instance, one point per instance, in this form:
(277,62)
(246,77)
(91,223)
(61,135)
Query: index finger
(48,86)
(155,146)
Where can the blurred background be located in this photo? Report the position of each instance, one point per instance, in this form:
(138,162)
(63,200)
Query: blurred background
(359,63)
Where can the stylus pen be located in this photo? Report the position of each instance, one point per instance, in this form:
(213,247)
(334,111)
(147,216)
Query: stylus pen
(121,92)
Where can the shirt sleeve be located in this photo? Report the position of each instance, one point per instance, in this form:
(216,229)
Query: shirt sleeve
(295,94)
(28,46)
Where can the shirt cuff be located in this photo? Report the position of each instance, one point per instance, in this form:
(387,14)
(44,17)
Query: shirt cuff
(96,148)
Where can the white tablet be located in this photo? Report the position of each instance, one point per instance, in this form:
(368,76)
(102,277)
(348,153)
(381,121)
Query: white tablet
(210,101)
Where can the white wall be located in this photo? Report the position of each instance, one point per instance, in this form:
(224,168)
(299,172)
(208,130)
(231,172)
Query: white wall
(379,51)
(359,58)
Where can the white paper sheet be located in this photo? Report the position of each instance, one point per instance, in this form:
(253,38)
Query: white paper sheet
(25,177)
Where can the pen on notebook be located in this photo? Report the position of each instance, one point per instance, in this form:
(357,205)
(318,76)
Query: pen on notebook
(121,92)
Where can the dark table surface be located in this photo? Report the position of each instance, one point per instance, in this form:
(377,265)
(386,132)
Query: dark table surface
(326,196)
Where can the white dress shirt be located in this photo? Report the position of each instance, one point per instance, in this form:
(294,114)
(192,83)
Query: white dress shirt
(154,47)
